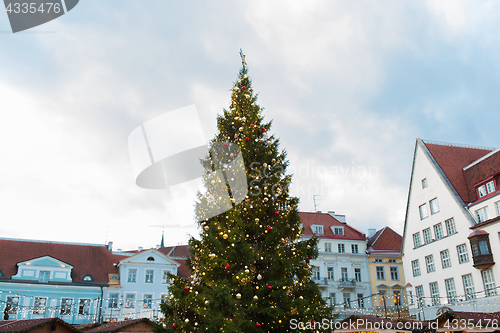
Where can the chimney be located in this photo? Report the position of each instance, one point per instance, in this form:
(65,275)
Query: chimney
(119,250)
(157,247)
(371,232)
(140,248)
(110,246)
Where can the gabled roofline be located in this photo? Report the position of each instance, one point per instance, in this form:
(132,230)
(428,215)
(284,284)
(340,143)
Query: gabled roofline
(43,257)
(150,250)
(440,143)
(409,195)
(481,159)
(49,242)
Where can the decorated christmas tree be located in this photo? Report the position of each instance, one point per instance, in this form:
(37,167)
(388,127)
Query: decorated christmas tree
(251,270)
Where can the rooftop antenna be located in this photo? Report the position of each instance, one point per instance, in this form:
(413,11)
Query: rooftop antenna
(314,200)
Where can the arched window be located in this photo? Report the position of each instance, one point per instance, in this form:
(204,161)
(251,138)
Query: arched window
(87,278)
(151,258)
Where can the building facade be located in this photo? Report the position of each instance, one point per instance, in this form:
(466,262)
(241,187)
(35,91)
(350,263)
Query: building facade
(450,217)
(341,269)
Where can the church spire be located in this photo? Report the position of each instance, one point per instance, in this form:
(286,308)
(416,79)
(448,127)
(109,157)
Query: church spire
(162,244)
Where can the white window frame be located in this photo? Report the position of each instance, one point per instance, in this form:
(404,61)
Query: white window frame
(360,300)
(357,275)
(415,267)
(330,271)
(438,231)
(317,229)
(112,300)
(341,248)
(434,288)
(328,247)
(424,183)
(38,308)
(424,213)
(429,263)
(132,275)
(450,227)
(489,283)
(344,274)
(397,298)
(84,306)
(481,191)
(44,276)
(451,291)
(468,283)
(445,258)
(394,271)
(338,230)
(463,254)
(434,205)
(65,309)
(490,187)
(129,301)
(427,235)
(497,207)
(482,214)
(14,305)
(316,273)
(419,293)
(164,277)
(354,248)
(147,304)
(417,242)
(380,272)
(149,276)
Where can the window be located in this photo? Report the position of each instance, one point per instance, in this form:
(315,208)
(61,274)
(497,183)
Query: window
(468,286)
(361,303)
(151,258)
(396,298)
(316,275)
(39,305)
(416,240)
(434,293)
(44,276)
(338,230)
(394,273)
(318,229)
(357,274)
(427,236)
(419,292)
(481,191)
(333,299)
(482,214)
(423,211)
(497,206)
(164,277)
(347,300)
(341,248)
(354,248)
(445,258)
(113,301)
(429,262)
(463,256)
(378,260)
(66,304)
(130,300)
(410,297)
(438,231)
(330,273)
(382,298)
(13,301)
(450,291)
(343,272)
(489,283)
(415,267)
(480,247)
(328,247)
(132,275)
(149,275)
(164,297)
(392,261)
(450,227)
(424,183)
(380,272)
(84,307)
(147,302)
(490,187)
(434,206)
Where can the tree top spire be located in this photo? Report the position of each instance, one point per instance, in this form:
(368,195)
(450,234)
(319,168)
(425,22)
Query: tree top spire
(243,61)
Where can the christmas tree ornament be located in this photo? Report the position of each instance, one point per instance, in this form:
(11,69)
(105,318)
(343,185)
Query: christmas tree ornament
(243,87)
(269,228)
(259,277)
(247,139)
(252,125)
(263,129)
(258,325)
(270,287)
(255,298)
(174,325)
(226,266)
(238,296)
(186,288)
(186,320)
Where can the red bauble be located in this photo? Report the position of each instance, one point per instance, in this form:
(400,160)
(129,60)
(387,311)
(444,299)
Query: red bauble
(247,139)
(313,321)
(221,191)
(243,87)
(174,325)
(269,228)
(225,144)
(258,325)
(276,213)
(270,287)
(226,266)
(252,125)
(186,288)
(310,257)
(208,195)
(263,129)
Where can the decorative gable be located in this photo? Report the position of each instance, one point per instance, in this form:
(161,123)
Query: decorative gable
(44,269)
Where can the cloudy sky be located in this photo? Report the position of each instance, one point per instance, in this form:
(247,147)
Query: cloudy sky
(350,85)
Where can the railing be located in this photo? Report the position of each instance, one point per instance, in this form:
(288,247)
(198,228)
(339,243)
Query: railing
(347,283)
(482,259)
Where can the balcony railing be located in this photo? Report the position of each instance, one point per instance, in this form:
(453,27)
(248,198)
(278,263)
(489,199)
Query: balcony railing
(347,283)
(483,261)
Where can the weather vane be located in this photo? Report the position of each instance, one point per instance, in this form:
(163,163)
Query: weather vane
(243,62)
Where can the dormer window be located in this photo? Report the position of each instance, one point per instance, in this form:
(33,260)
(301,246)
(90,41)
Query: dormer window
(151,258)
(44,276)
(87,278)
(317,229)
(490,187)
(481,191)
(486,189)
(338,230)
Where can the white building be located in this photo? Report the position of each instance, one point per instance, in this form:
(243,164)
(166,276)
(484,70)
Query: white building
(341,269)
(452,189)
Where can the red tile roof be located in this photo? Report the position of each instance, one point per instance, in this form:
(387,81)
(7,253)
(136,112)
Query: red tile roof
(452,159)
(480,171)
(119,325)
(385,240)
(179,253)
(95,260)
(27,325)
(327,221)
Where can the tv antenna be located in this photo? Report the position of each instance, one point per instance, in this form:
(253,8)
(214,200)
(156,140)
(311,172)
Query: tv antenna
(314,200)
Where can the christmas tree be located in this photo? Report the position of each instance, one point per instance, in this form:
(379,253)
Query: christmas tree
(250,268)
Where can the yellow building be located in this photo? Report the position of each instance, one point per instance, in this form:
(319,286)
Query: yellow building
(385,267)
